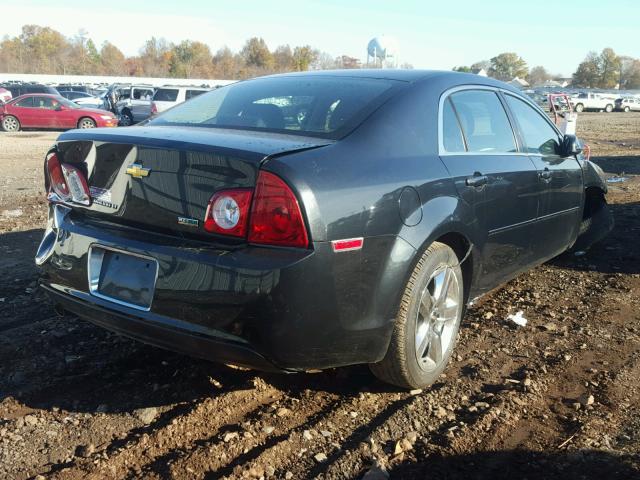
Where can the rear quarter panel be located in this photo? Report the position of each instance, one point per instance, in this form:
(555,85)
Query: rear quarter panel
(353,188)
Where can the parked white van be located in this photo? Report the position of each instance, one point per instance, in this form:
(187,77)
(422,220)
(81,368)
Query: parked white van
(167,97)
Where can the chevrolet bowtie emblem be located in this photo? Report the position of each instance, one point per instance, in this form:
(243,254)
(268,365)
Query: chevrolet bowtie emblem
(138,171)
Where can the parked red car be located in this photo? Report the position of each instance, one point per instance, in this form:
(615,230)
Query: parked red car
(51,111)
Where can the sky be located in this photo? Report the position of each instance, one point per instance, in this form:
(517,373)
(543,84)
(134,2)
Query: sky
(431,35)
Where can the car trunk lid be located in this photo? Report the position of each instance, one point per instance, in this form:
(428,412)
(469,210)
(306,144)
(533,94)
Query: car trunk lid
(162,178)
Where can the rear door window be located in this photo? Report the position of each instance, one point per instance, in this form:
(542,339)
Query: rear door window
(142,94)
(539,136)
(484,121)
(166,95)
(25,103)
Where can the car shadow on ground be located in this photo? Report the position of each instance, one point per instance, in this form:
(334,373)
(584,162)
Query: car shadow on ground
(521,464)
(619,165)
(614,253)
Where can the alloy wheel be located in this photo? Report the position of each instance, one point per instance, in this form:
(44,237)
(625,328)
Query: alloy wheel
(440,303)
(87,123)
(10,124)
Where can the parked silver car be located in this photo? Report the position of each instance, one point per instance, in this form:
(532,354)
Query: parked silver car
(134,103)
(628,104)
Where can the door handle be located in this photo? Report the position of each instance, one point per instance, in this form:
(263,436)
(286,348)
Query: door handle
(545,175)
(477,181)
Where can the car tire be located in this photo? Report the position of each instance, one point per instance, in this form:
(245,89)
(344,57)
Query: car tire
(596,223)
(579,108)
(126,119)
(608,108)
(427,323)
(626,109)
(10,124)
(86,122)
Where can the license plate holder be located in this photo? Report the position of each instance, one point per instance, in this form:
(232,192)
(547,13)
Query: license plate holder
(122,277)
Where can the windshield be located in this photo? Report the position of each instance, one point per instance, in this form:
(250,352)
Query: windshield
(319,106)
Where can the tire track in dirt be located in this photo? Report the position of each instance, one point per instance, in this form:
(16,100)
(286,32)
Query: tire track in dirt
(217,459)
(192,421)
(291,453)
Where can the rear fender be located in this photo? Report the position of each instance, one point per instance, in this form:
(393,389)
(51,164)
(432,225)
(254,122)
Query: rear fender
(441,216)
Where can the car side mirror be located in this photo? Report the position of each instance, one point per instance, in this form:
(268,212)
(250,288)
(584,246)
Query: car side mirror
(570,146)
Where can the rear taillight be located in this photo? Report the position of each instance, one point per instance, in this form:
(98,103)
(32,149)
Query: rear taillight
(67,182)
(154,108)
(275,214)
(273,218)
(228,212)
(57,182)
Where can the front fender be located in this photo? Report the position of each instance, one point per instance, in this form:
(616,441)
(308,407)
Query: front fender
(593,175)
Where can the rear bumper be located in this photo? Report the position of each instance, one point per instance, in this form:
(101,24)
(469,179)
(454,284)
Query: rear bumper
(162,331)
(266,308)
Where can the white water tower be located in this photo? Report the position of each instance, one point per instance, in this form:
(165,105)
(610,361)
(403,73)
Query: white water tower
(382,49)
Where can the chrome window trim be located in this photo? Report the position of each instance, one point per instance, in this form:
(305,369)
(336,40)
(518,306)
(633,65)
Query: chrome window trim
(94,267)
(514,128)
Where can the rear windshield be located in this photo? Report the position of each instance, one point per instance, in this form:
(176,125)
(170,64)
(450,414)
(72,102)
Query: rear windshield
(166,95)
(319,106)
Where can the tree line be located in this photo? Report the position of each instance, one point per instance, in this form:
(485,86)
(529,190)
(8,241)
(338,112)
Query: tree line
(44,50)
(598,70)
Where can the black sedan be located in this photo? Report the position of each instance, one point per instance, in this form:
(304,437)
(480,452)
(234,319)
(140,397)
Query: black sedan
(315,220)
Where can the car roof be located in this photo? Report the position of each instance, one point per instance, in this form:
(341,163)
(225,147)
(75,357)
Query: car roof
(405,75)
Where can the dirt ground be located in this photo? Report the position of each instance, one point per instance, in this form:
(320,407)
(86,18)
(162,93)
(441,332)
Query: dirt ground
(558,398)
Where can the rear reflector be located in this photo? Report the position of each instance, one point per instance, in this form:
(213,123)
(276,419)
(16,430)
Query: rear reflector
(228,212)
(276,218)
(347,244)
(67,182)
(57,182)
(77,184)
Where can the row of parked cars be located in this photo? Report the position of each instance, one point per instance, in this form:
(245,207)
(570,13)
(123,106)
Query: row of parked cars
(80,106)
(588,101)
(592,102)
(138,102)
